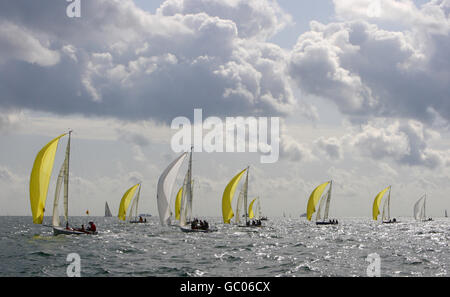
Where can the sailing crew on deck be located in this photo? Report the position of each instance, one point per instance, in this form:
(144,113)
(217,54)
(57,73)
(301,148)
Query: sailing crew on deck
(92,227)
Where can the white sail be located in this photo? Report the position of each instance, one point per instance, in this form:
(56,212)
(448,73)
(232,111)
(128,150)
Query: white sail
(422,210)
(239,206)
(327,206)
(66,180)
(165,185)
(258,209)
(55,220)
(107,210)
(321,203)
(386,216)
(132,215)
(62,176)
(417,208)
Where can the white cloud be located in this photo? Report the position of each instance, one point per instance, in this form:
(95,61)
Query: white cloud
(369,70)
(134,65)
(406,143)
(17,43)
(253,18)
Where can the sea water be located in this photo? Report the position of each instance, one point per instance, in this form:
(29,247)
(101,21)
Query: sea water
(284,247)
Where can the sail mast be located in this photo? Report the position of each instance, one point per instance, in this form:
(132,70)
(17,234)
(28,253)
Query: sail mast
(137,201)
(245,195)
(389,203)
(189,188)
(327,206)
(66,180)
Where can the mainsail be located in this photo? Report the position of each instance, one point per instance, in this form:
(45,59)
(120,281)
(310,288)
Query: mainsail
(419,208)
(165,184)
(377,201)
(40,178)
(133,213)
(107,210)
(125,202)
(227,197)
(314,199)
(187,196)
(62,176)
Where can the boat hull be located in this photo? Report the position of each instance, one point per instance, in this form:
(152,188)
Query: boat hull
(326,223)
(251,226)
(188,229)
(137,222)
(391,222)
(64,231)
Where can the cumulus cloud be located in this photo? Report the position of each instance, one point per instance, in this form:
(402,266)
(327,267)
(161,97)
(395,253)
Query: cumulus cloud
(331,147)
(292,150)
(406,143)
(117,60)
(261,19)
(19,44)
(369,70)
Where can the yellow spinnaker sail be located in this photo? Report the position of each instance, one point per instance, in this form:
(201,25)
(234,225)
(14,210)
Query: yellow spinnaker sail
(313,199)
(178,204)
(250,209)
(40,178)
(376,203)
(228,194)
(125,202)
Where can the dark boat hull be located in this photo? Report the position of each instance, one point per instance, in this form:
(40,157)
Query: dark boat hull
(326,223)
(190,230)
(64,231)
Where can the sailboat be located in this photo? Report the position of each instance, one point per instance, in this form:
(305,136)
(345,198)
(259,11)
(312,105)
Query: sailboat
(39,182)
(241,205)
(315,198)
(107,211)
(419,209)
(446,215)
(386,215)
(165,185)
(258,213)
(187,224)
(125,202)
(255,215)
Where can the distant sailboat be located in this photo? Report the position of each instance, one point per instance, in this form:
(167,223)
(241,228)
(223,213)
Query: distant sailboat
(39,182)
(420,211)
(125,202)
(315,198)
(107,211)
(386,215)
(165,185)
(254,212)
(227,197)
(446,215)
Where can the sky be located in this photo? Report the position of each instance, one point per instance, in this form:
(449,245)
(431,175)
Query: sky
(361,88)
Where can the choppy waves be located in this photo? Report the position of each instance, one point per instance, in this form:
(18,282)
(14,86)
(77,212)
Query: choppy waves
(285,247)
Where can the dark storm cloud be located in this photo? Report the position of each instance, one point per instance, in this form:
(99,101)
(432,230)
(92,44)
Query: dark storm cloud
(117,60)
